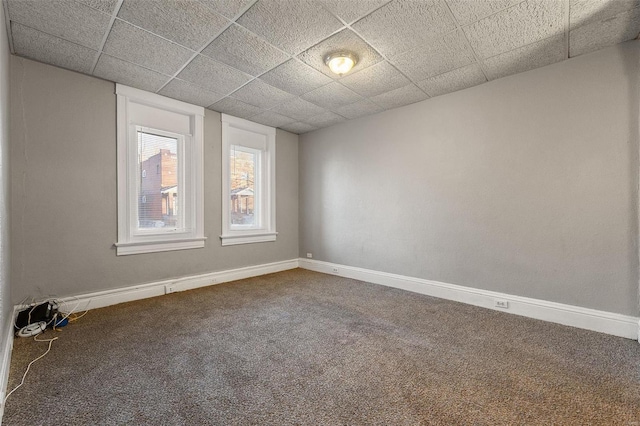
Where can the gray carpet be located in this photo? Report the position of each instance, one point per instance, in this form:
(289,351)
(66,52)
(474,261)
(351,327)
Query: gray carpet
(300,347)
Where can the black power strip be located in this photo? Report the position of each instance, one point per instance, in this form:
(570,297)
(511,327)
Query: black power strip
(34,314)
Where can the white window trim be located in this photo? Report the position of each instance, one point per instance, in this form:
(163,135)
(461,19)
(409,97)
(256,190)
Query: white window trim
(267,231)
(130,242)
(182,185)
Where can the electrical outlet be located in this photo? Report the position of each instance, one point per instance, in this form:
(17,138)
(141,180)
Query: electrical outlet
(334,270)
(310,255)
(501,303)
(170,288)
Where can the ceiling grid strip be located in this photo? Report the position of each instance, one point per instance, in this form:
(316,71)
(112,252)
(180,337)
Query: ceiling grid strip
(375,49)
(61,37)
(195,55)
(466,39)
(114,15)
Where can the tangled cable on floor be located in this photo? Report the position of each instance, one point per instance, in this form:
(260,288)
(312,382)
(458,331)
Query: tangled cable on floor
(71,316)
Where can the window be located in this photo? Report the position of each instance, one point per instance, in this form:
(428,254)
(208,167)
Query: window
(248,182)
(164,211)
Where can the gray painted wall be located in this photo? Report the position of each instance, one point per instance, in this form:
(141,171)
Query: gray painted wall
(526,185)
(6,306)
(63,158)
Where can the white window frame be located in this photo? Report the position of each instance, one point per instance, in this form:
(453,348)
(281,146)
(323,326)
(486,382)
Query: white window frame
(265,228)
(182,140)
(190,233)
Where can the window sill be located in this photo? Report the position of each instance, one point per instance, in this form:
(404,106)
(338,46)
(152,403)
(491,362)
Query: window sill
(230,240)
(124,249)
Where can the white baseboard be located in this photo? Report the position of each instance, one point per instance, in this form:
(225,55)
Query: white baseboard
(575,316)
(590,319)
(100,299)
(7,334)
(586,318)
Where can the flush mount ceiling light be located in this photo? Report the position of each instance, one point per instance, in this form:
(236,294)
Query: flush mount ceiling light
(340,62)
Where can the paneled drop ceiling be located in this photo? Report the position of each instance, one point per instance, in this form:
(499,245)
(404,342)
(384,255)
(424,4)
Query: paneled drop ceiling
(263,60)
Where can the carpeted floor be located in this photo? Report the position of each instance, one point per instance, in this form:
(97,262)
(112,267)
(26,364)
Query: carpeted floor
(304,348)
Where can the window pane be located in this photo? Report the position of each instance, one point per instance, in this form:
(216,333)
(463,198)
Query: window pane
(157,192)
(244,162)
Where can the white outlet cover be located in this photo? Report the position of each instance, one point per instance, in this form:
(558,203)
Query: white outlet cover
(502,304)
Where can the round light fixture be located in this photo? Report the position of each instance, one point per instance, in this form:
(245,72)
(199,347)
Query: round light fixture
(340,62)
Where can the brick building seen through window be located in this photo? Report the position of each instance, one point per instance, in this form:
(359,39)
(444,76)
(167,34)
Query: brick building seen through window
(159,190)
(243,188)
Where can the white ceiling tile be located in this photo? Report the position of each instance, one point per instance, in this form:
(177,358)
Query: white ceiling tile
(295,77)
(525,23)
(352,10)
(51,50)
(245,51)
(298,109)
(106,6)
(422,40)
(596,35)
(65,19)
(532,56)
(403,96)
(273,119)
(298,128)
(185,22)
(235,107)
(114,69)
(290,25)
(332,95)
(467,11)
(458,79)
(205,72)
(358,109)
(404,24)
(325,119)
(376,79)
(228,8)
(442,54)
(187,92)
(582,12)
(261,94)
(140,47)
(344,40)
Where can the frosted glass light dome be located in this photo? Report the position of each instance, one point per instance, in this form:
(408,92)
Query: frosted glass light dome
(340,62)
